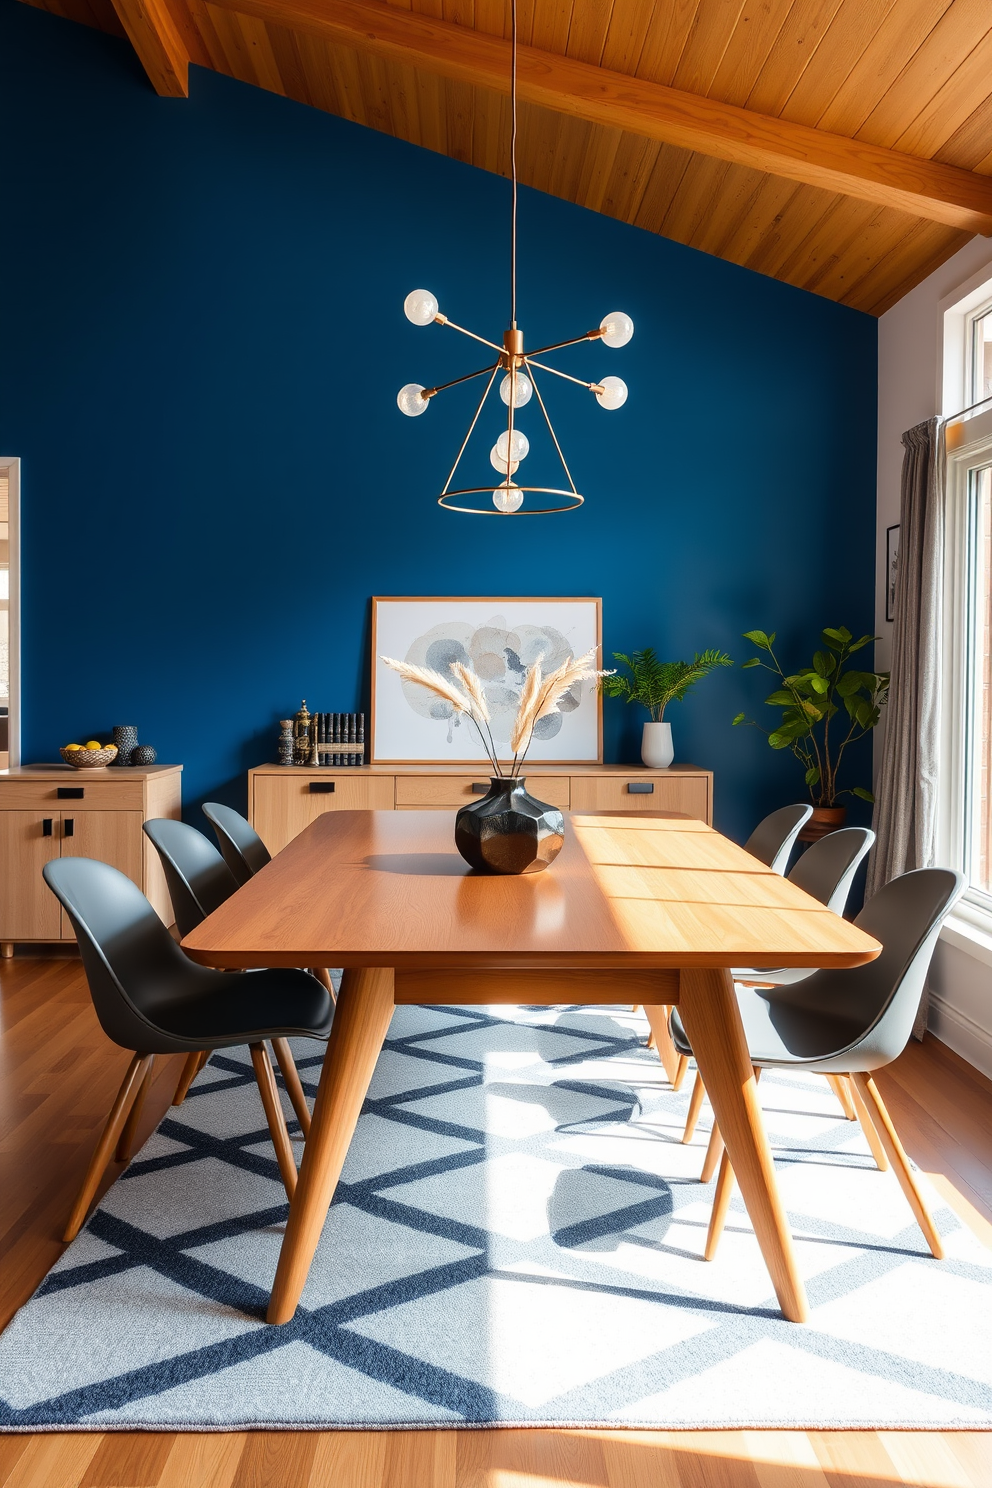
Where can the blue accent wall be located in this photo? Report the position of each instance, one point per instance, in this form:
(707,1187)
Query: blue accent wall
(202,343)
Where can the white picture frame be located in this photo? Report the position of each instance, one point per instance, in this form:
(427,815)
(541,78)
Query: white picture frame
(499,637)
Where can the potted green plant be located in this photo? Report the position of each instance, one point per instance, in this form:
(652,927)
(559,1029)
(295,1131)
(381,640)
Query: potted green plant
(810,700)
(654,684)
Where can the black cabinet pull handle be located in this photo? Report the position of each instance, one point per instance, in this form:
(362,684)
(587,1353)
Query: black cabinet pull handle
(321,787)
(46,826)
(641,787)
(479,788)
(68,827)
(70,793)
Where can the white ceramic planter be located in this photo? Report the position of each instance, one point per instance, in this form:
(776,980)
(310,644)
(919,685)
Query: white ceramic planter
(657,751)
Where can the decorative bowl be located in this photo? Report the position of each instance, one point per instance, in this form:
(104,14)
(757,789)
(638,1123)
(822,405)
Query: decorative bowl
(90,759)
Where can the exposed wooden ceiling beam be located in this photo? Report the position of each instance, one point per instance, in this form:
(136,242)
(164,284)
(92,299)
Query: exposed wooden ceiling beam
(924,188)
(156,38)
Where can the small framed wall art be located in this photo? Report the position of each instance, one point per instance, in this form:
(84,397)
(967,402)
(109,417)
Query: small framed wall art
(891,570)
(500,639)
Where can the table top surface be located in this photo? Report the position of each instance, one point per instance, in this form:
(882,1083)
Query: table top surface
(387,888)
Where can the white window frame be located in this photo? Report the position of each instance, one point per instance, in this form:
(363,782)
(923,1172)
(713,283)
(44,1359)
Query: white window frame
(12,465)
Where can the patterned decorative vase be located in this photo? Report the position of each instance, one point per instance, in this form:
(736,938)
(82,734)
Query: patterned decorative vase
(508,831)
(143,755)
(825,819)
(126,739)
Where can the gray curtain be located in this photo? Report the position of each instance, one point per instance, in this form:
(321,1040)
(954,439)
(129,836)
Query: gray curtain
(906,794)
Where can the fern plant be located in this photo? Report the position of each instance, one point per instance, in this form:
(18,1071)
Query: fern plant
(812,698)
(654,684)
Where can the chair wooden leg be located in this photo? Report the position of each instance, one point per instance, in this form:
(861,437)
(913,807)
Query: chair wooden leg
(882,1121)
(98,1162)
(721,1203)
(838,1084)
(695,1106)
(126,1142)
(273,1115)
(192,1067)
(324,977)
(671,1059)
(714,1152)
(294,1088)
(868,1127)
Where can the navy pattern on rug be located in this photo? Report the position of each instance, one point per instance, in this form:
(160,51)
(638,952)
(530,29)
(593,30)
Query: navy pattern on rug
(516,1240)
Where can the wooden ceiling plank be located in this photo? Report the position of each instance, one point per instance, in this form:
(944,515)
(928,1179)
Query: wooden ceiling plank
(899,37)
(849,35)
(492,17)
(757,33)
(156,37)
(225,26)
(460,120)
(630,176)
(808,211)
(936,60)
(376,91)
(721,131)
(321,79)
(404,103)
(697,200)
(857,254)
(597,167)
(259,49)
(761,214)
(629,25)
(550,26)
(738,191)
(860,235)
(714,25)
(668,32)
(798,44)
(965,91)
(290,65)
(213,49)
(922,249)
(970,146)
(670,166)
(433,133)
(588,30)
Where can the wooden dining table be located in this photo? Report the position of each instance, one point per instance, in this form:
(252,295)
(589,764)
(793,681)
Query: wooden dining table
(651,909)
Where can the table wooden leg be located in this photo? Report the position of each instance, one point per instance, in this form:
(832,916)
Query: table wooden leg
(361,1020)
(708,1009)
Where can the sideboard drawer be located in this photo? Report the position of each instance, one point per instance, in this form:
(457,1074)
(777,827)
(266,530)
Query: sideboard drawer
(686,793)
(425,792)
(283,806)
(79,792)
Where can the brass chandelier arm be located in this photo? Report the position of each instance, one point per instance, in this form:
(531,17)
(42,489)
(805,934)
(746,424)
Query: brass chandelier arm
(593,387)
(443,320)
(443,386)
(468,436)
(575,341)
(554,436)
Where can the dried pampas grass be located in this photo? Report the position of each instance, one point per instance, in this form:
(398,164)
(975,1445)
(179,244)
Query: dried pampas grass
(472,684)
(523,724)
(433,681)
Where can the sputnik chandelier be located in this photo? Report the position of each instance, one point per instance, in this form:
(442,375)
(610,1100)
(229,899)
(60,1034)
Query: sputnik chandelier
(518,383)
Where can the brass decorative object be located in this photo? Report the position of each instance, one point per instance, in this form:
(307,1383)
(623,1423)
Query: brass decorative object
(518,384)
(302,743)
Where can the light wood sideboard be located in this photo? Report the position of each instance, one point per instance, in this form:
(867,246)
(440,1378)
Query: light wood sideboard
(283,799)
(53,811)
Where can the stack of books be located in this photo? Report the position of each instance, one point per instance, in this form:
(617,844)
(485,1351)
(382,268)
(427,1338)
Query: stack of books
(340,739)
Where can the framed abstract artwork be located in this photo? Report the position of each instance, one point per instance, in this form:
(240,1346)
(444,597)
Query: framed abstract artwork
(891,570)
(500,639)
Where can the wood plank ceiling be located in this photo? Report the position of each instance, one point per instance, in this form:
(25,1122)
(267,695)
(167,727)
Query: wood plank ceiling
(902,78)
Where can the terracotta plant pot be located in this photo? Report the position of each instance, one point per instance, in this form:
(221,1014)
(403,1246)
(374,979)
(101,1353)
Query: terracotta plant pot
(824,819)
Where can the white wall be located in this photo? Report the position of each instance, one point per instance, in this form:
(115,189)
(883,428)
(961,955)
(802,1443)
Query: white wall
(910,389)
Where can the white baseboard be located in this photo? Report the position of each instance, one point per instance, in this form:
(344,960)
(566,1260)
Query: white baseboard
(961,1033)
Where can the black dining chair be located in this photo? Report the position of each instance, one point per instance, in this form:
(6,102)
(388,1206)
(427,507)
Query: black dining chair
(826,872)
(851,1022)
(152,999)
(199,882)
(243,850)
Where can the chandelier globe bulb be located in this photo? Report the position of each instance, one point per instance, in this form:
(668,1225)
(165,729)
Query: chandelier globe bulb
(617,329)
(521,394)
(420,307)
(508,498)
(614,394)
(513,447)
(411,401)
(499,462)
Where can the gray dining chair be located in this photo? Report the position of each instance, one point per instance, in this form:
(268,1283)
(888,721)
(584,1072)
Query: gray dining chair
(243,850)
(774,837)
(851,1022)
(826,872)
(199,881)
(152,999)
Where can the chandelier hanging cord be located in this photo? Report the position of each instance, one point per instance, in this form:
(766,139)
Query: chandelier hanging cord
(518,386)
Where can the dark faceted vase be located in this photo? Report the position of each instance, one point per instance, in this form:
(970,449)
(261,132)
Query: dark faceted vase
(126,739)
(508,831)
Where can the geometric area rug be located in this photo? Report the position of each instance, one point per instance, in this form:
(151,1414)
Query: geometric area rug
(515,1241)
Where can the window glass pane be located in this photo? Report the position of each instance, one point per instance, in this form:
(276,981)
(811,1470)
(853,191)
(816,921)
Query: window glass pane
(982,358)
(980,764)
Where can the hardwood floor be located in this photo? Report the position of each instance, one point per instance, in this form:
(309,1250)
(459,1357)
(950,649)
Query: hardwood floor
(58,1075)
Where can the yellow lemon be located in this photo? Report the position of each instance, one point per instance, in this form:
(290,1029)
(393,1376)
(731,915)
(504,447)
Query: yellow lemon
(73,746)
(92,744)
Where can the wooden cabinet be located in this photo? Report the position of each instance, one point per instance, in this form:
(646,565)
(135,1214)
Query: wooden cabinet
(282,799)
(51,811)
